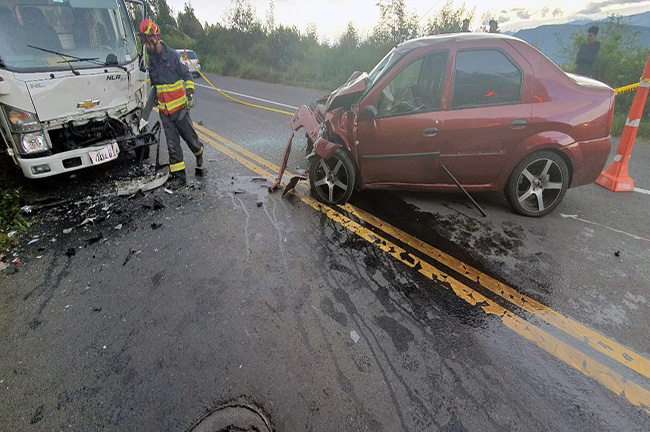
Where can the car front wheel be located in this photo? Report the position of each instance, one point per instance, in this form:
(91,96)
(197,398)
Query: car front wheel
(538,184)
(332,180)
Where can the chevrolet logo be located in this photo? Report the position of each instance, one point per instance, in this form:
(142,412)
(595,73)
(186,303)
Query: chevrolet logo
(87,104)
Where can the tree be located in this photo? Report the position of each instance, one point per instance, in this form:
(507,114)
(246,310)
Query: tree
(349,39)
(240,15)
(188,23)
(270,18)
(448,20)
(395,24)
(163,16)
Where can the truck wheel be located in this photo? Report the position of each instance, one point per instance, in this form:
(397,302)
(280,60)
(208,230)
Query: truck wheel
(538,184)
(332,180)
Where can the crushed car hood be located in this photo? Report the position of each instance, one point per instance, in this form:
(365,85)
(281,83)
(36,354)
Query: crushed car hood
(348,93)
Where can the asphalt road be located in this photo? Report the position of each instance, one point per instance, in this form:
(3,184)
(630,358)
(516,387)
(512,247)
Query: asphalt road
(402,311)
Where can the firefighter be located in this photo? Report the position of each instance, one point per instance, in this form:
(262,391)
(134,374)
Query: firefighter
(175,99)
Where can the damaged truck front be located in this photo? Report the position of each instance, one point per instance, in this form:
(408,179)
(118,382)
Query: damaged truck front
(71,84)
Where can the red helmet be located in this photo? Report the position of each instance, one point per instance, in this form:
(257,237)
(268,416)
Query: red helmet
(148,30)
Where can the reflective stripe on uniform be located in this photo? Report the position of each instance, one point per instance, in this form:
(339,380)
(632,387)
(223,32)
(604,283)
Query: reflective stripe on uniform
(189,85)
(177,167)
(171,97)
(163,88)
(199,153)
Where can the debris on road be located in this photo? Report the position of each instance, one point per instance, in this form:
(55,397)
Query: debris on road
(130,187)
(131,253)
(260,203)
(90,220)
(168,191)
(355,337)
(158,204)
(71,252)
(118,227)
(95,239)
(617,253)
(156,225)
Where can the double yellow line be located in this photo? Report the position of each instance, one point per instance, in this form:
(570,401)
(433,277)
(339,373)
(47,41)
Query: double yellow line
(380,236)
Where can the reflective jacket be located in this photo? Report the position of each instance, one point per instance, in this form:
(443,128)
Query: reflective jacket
(167,74)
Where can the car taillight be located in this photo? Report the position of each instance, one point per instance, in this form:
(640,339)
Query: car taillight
(198,62)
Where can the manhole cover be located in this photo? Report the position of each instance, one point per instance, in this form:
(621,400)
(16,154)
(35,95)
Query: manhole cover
(233,418)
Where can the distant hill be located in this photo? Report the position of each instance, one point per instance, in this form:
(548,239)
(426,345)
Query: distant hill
(549,38)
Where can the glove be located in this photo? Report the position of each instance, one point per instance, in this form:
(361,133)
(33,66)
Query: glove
(143,124)
(190,99)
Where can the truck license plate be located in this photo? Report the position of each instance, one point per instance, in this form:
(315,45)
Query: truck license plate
(106,154)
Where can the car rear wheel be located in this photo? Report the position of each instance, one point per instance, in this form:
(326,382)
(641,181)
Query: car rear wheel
(538,184)
(332,180)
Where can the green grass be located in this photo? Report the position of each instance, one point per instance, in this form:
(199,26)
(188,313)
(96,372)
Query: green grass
(10,203)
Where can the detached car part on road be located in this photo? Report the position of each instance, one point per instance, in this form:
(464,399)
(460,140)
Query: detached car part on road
(496,111)
(72,84)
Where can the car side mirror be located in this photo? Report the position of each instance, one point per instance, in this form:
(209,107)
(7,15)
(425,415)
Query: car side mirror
(370,112)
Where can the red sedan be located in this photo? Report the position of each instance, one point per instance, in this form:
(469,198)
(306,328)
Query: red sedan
(489,110)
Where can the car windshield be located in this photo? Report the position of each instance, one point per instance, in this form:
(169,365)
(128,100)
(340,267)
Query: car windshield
(383,66)
(65,33)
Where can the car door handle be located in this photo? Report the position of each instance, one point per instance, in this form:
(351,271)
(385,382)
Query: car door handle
(518,124)
(432,131)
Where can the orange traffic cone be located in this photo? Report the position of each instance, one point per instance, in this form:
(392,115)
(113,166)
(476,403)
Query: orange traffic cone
(617,178)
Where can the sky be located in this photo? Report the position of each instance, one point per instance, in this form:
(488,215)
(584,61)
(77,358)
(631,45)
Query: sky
(331,17)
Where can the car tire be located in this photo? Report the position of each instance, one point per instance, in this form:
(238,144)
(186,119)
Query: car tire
(538,184)
(332,180)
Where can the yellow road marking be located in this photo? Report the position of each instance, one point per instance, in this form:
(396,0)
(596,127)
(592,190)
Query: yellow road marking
(635,394)
(604,345)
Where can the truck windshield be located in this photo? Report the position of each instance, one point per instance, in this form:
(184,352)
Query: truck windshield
(97,30)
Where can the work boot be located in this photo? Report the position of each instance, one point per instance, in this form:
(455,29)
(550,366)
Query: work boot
(175,182)
(200,169)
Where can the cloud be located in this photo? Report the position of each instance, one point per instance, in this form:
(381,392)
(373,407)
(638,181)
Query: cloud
(545,11)
(503,19)
(522,13)
(557,13)
(595,7)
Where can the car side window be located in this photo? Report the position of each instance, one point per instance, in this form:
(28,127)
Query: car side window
(416,88)
(485,78)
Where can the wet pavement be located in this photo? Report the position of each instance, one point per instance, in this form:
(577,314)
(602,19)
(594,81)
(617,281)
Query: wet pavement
(165,311)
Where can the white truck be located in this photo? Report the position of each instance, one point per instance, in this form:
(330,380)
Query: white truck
(72,84)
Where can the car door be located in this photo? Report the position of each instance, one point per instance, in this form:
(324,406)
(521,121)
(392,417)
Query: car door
(489,112)
(397,145)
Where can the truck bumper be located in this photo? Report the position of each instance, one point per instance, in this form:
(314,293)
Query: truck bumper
(47,166)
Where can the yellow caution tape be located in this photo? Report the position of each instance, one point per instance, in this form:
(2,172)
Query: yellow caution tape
(626,89)
(237,100)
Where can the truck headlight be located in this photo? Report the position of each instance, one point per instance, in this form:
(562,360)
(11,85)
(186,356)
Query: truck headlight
(34,142)
(21,121)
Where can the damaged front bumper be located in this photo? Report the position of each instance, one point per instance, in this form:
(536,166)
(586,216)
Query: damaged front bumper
(313,121)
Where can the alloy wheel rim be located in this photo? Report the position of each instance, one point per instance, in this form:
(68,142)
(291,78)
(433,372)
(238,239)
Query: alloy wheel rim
(540,185)
(332,179)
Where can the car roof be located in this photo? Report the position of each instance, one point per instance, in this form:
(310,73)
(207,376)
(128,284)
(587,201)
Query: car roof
(451,37)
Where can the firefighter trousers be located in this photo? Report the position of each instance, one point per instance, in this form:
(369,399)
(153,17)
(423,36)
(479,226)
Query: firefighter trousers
(177,126)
